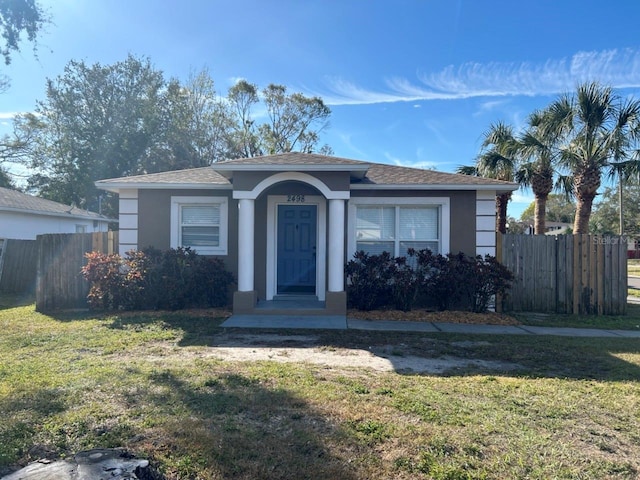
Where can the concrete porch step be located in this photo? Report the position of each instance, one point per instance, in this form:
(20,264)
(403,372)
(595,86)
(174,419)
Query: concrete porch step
(304,320)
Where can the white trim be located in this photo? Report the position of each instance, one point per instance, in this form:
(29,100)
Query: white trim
(295,177)
(485,239)
(336,246)
(434,186)
(272,242)
(177,202)
(246,245)
(127,206)
(442,202)
(486,195)
(486,207)
(128,221)
(486,223)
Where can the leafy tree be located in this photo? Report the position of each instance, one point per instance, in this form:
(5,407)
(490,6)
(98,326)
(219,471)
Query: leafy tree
(96,122)
(604,219)
(559,208)
(5,180)
(105,121)
(18,17)
(294,121)
(598,128)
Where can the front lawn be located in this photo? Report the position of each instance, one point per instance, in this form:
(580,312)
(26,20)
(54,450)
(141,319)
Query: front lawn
(523,407)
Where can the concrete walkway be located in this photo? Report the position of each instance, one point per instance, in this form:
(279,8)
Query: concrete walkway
(336,322)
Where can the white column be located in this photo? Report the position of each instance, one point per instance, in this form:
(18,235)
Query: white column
(245,245)
(336,245)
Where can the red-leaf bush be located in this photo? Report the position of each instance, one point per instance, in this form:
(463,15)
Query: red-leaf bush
(151,279)
(442,281)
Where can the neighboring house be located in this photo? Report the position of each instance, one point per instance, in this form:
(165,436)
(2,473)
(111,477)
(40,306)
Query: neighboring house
(286,224)
(557,228)
(23,217)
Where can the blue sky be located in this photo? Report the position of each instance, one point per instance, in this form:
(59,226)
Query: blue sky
(412,83)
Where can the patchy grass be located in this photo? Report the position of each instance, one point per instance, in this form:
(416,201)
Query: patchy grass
(630,321)
(633,267)
(153,384)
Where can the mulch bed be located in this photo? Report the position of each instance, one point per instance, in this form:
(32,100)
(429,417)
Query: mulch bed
(488,318)
(450,316)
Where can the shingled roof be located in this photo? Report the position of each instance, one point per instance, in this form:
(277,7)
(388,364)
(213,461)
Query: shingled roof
(15,201)
(365,175)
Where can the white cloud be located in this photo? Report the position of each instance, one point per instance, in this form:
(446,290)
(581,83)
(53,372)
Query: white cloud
(619,68)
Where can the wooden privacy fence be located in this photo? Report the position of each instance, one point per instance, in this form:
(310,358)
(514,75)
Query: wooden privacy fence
(580,274)
(60,258)
(18,260)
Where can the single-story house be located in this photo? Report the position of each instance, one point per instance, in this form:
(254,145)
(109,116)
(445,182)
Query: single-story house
(23,217)
(286,224)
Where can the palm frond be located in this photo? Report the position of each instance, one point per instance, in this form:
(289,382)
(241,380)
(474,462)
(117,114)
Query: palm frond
(468,170)
(564,185)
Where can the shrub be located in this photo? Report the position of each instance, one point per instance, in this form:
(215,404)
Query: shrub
(151,279)
(404,285)
(486,278)
(462,280)
(454,280)
(369,280)
(108,285)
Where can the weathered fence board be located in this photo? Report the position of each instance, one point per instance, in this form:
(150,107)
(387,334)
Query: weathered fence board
(581,274)
(18,262)
(60,258)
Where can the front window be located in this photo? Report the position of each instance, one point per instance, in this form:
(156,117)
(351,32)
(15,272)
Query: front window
(199,223)
(200,226)
(397,224)
(396,228)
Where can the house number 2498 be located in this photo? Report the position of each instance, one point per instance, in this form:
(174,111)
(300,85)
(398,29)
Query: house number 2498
(295,198)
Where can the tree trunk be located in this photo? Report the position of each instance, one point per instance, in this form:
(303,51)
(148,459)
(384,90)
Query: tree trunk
(586,187)
(541,184)
(501,212)
(539,216)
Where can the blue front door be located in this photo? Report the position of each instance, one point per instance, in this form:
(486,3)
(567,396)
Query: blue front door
(296,249)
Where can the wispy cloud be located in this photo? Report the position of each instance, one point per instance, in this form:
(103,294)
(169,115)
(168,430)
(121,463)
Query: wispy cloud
(619,68)
(9,115)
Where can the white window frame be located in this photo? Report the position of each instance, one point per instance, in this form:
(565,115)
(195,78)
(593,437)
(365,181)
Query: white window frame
(444,217)
(176,205)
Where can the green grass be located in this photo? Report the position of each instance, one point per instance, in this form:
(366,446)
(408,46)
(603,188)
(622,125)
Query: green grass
(151,383)
(630,321)
(633,267)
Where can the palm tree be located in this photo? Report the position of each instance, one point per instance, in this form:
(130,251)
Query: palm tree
(497,159)
(597,130)
(537,153)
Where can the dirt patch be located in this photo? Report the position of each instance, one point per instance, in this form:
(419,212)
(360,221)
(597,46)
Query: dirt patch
(238,347)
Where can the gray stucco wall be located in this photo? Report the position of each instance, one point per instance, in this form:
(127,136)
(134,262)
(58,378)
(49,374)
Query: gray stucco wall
(154,218)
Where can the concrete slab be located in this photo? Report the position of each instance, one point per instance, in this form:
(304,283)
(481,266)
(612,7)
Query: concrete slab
(481,329)
(626,333)
(331,322)
(570,332)
(391,326)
